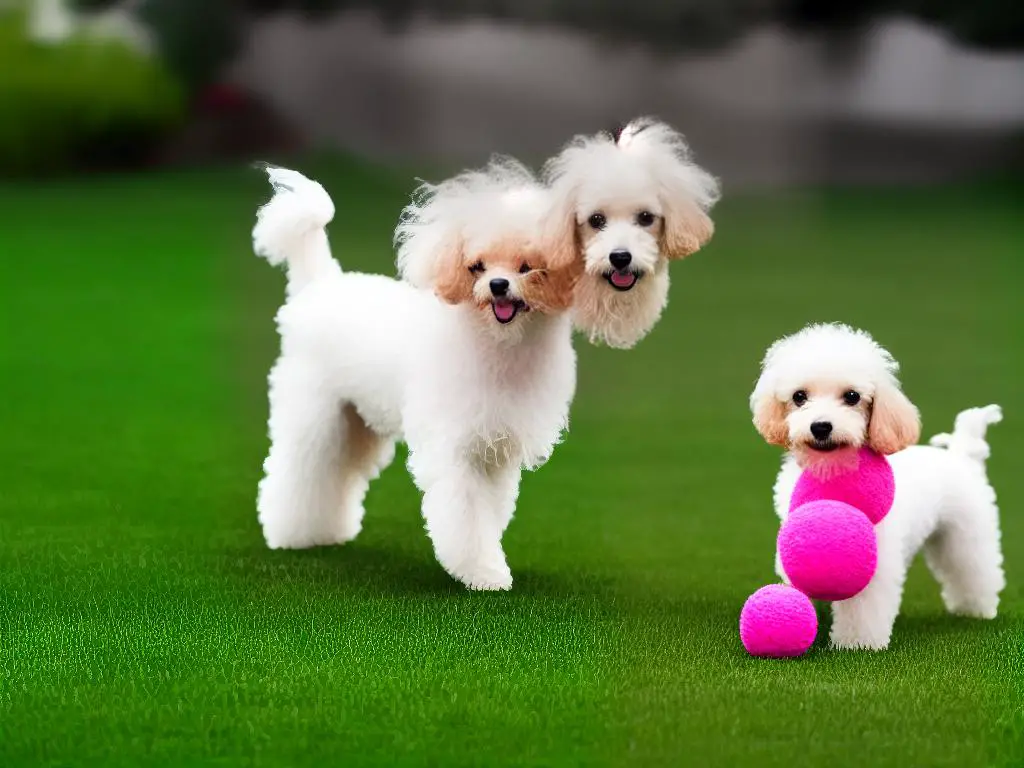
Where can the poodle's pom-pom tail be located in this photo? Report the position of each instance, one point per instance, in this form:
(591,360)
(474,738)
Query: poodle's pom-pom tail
(290,227)
(985,417)
(969,429)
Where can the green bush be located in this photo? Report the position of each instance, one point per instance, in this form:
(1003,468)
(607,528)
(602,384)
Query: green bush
(196,38)
(80,102)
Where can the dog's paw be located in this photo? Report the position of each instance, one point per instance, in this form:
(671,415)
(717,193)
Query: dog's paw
(481,577)
(349,525)
(289,541)
(973,609)
(843,641)
(488,583)
(297,539)
(290,533)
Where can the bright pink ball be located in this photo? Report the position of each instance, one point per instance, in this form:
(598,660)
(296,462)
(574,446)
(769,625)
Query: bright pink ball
(828,550)
(869,487)
(778,621)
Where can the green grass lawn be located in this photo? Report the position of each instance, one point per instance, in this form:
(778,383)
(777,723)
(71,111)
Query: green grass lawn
(144,622)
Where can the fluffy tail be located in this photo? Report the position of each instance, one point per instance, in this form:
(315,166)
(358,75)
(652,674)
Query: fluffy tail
(969,429)
(290,228)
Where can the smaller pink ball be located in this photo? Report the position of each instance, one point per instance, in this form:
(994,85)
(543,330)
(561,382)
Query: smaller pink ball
(869,486)
(778,622)
(828,550)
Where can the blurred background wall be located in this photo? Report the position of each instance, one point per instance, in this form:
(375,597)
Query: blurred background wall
(774,106)
(770,92)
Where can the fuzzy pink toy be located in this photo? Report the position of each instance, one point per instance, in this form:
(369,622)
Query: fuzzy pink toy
(828,549)
(868,486)
(778,622)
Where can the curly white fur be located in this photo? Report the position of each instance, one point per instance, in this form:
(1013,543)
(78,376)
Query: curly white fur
(944,503)
(478,384)
(628,202)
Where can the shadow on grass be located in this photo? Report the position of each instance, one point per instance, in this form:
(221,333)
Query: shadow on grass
(936,632)
(372,570)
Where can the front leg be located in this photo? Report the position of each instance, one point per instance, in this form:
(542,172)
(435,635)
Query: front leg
(865,621)
(466,510)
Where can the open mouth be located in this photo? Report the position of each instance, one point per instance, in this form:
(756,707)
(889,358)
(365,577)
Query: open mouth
(622,279)
(505,310)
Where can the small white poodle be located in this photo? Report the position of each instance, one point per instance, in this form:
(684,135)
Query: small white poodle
(627,203)
(827,390)
(468,359)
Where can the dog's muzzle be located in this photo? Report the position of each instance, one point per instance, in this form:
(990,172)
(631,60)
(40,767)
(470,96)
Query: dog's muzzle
(621,276)
(823,439)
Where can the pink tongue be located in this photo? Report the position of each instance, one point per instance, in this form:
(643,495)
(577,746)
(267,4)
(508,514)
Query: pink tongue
(623,279)
(504,310)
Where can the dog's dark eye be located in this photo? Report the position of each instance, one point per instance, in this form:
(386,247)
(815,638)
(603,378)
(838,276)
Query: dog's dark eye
(524,268)
(597,220)
(851,397)
(476,267)
(799,397)
(645,218)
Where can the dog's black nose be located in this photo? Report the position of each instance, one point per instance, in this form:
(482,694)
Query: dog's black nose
(821,430)
(499,286)
(620,258)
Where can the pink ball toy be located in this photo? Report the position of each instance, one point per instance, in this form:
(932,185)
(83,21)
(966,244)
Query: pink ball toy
(778,622)
(869,486)
(828,550)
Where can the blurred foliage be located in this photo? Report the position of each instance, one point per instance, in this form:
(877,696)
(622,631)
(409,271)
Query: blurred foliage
(196,38)
(79,102)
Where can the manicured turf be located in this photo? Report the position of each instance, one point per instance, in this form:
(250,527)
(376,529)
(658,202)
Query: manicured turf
(144,622)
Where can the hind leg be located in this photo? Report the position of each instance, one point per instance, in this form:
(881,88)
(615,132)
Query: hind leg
(364,456)
(966,560)
(301,491)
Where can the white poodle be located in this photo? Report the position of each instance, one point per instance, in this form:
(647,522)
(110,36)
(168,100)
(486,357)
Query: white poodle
(829,389)
(468,359)
(628,202)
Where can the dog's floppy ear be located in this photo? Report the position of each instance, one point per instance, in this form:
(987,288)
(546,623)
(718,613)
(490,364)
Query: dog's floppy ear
(553,288)
(559,239)
(686,227)
(453,282)
(687,194)
(895,422)
(770,417)
(560,253)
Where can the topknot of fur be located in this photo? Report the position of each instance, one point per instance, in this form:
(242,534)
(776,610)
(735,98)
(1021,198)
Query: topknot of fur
(661,149)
